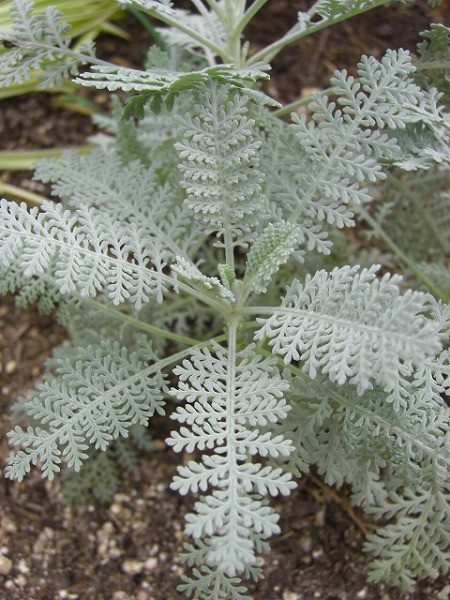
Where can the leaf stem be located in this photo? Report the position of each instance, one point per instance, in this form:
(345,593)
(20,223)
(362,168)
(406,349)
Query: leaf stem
(248,16)
(178,24)
(293,35)
(229,250)
(214,5)
(379,231)
(288,108)
(140,324)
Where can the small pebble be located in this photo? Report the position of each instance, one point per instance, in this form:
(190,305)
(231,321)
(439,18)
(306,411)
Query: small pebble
(20,581)
(10,367)
(121,498)
(5,565)
(7,525)
(154,550)
(115,552)
(120,595)
(115,508)
(132,566)
(150,563)
(22,567)
(319,518)
(306,543)
(43,544)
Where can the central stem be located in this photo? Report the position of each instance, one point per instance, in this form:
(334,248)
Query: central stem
(234,12)
(229,249)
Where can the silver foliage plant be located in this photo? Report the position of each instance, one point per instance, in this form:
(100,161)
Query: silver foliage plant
(174,240)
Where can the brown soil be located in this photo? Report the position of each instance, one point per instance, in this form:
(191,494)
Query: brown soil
(128,550)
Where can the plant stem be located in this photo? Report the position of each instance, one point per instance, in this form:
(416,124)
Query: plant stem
(288,108)
(178,24)
(379,231)
(233,12)
(216,8)
(200,7)
(268,53)
(140,324)
(248,16)
(78,56)
(229,250)
(231,406)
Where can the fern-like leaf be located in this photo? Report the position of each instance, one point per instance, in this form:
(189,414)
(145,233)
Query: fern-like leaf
(159,86)
(191,273)
(39,41)
(352,437)
(416,545)
(353,326)
(163,7)
(347,146)
(126,192)
(271,250)
(90,402)
(85,252)
(230,396)
(100,474)
(328,12)
(211,584)
(220,164)
(433,66)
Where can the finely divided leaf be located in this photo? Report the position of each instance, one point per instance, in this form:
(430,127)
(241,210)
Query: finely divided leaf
(159,86)
(85,251)
(127,192)
(354,327)
(219,163)
(39,41)
(87,403)
(163,7)
(230,396)
(271,250)
(185,269)
(416,545)
(348,141)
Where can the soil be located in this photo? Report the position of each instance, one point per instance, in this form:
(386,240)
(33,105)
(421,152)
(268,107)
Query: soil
(128,549)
